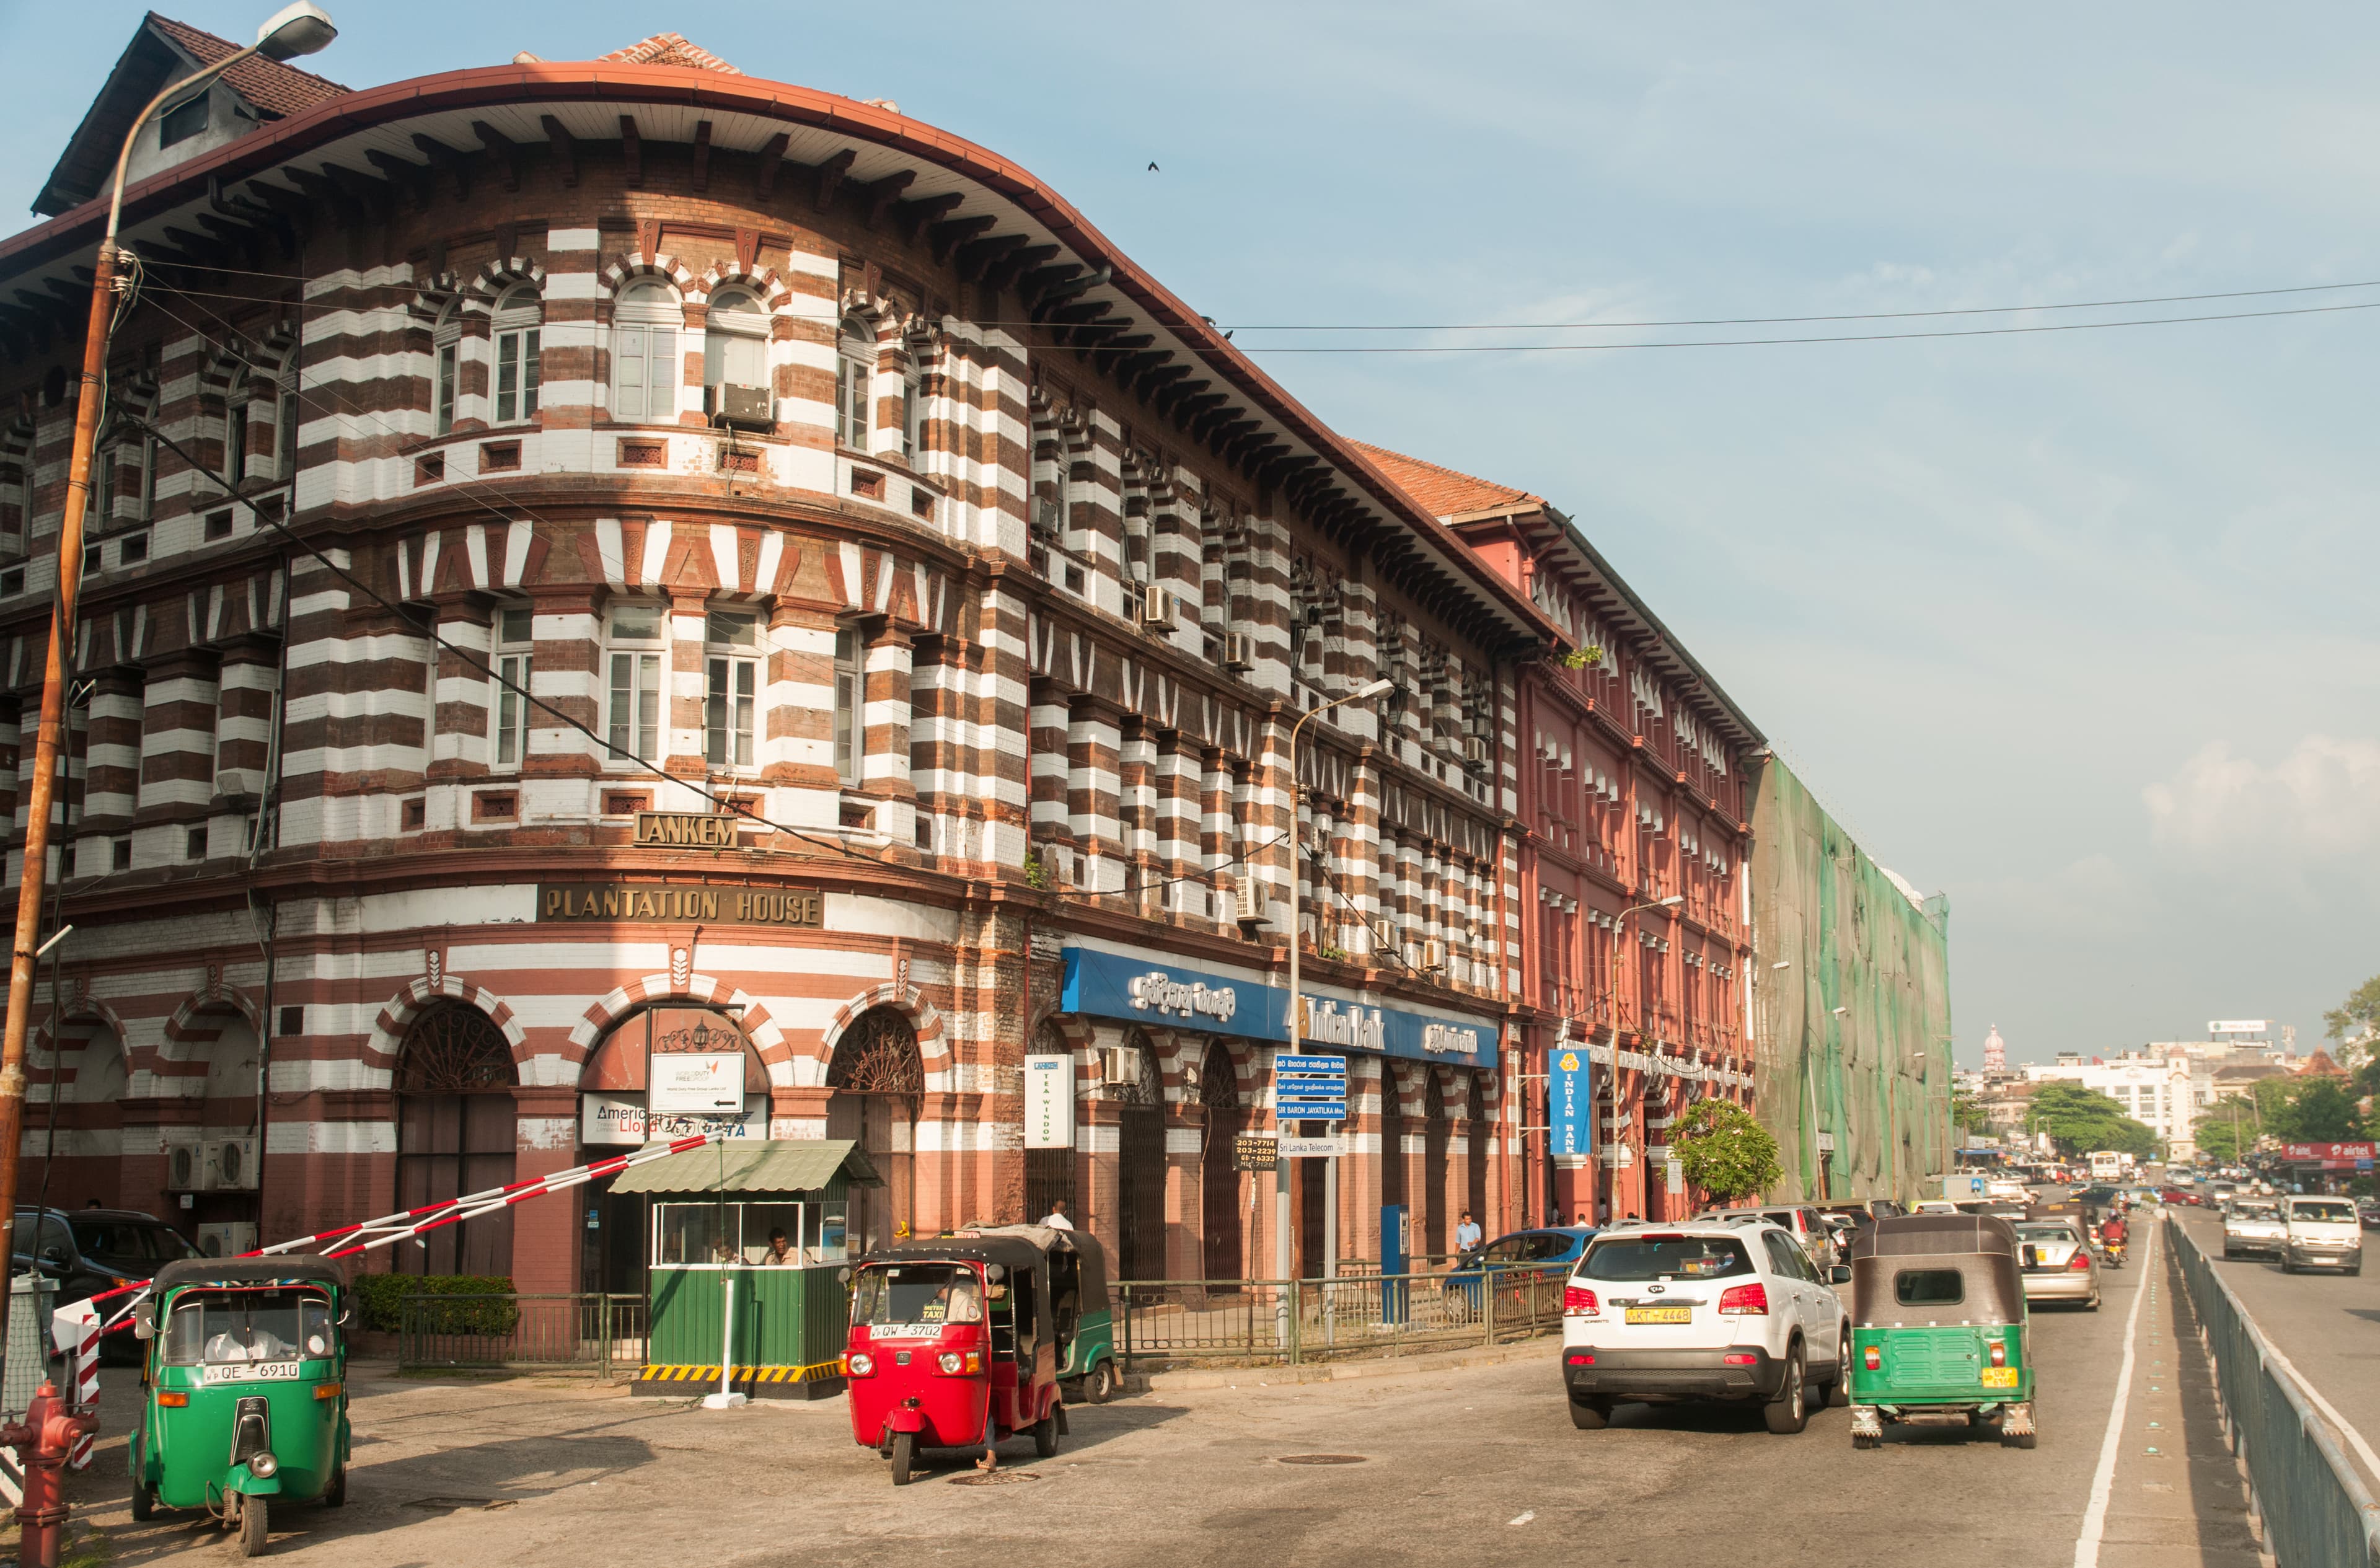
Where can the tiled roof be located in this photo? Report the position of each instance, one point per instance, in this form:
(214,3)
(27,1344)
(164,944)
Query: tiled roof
(669,49)
(1444,491)
(276,87)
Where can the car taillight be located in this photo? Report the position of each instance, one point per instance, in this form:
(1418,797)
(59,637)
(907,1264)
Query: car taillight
(1739,1359)
(1749,1301)
(1580,1358)
(2080,1260)
(1579,1302)
(1874,1356)
(860,1363)
(2000,1354)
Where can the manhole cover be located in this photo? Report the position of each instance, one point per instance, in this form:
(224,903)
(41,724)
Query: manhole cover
(997,1478)
(449,1504)
(1324,1459)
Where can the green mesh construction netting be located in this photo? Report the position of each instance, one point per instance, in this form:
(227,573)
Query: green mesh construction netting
(1852,1038)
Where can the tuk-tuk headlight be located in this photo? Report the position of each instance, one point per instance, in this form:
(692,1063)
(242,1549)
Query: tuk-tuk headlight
(862,1364)
(954,1362)
(949,1362)
(262,1465)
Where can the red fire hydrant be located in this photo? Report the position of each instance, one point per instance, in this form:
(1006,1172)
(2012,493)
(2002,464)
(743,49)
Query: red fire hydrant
(44,1440)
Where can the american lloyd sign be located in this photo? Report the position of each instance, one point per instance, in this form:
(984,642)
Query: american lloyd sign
(680,903)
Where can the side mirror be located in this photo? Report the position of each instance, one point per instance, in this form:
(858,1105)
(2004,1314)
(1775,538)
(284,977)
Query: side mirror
(995,1272)
(144,1322)
(1840,1274)
(843,1276)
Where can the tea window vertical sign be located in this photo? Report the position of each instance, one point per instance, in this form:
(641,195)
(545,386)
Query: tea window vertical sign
(1048,1103)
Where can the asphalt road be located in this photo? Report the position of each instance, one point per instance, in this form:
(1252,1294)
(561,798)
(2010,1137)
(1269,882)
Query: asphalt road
(1474,1467)
(2328,1325)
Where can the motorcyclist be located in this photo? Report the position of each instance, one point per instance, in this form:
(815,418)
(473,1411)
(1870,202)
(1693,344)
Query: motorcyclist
(2115,1231)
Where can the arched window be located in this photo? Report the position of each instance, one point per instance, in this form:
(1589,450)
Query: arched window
(516,327)
(234,433)
(456,1134)
(876,1081)
(1050,1172)
(1140,1163)
(1219,1095)
(854,383)
(735,345)
(645,365)
(446,349)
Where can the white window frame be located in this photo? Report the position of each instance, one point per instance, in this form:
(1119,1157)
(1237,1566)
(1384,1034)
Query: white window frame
(515,638)
(637,673)
(286,417)
(445,369)
(234,436)
(516,376)
(854,384)
(729,333)
(913,411)
(646,365)
(730,689)
(850,704)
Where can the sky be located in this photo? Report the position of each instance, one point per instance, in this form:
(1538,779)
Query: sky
(2074,627)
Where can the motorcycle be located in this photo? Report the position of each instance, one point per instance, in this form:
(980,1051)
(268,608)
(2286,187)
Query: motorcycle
(2114,1250)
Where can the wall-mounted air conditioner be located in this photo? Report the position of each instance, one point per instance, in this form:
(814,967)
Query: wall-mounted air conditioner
(227,1239)
(1240,652)
(184,1170)
(1157,608)
(230,1165)
(1433,955)
(746,408)
(1475,751)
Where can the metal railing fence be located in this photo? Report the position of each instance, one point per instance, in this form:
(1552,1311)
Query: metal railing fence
(2312,1506)
(1362,1315)
(591,1332)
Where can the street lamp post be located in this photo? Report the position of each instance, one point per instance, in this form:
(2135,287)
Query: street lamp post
(1281,1255)
(1618,924)
(295,30)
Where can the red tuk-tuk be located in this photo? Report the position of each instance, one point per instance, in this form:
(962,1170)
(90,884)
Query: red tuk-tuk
(953,1344)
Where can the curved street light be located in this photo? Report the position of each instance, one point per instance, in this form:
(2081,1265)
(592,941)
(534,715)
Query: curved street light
(297,29)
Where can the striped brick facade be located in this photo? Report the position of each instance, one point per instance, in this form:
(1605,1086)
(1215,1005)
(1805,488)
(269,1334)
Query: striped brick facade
(1007,659)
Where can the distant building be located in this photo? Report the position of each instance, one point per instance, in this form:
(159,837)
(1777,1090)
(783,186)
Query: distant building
(1995,1052)
(2156,1087)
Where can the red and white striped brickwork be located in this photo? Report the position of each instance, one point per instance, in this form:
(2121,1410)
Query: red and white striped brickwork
(1031,657)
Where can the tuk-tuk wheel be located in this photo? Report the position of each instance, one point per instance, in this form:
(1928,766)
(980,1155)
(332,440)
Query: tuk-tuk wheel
(1045,1435)
(335,1494)
(252,1527)
(904,1454)
(1100,1383)
(144,1504)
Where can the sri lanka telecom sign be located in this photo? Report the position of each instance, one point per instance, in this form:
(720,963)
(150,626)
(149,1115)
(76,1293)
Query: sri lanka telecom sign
(1112,985)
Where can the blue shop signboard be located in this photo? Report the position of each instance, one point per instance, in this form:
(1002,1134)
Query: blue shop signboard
(1572,1102)
(1111,985)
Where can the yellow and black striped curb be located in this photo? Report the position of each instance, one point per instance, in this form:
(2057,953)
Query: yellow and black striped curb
(812,1373)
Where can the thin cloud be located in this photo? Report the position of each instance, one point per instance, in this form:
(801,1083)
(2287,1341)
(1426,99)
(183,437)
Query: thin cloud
(2320,802)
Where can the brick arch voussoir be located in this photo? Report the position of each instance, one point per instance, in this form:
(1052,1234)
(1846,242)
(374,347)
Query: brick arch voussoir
(495,277)
(397,1015)
(604,1013)
(639,266)
(934,1044)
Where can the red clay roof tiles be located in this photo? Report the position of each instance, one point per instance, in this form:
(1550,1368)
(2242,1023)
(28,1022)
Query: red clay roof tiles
(1444,491)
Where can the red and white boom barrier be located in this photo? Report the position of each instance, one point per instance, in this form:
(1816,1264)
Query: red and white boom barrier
(77,1330)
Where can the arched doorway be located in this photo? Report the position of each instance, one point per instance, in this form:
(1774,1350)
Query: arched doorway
(1140,1163)
(1436,1134)
(456,1132)
(1218,1096)
(1050,1172)
(87,1080)
(878,1082)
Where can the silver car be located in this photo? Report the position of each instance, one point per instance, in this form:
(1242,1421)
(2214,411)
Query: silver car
(2057,1262)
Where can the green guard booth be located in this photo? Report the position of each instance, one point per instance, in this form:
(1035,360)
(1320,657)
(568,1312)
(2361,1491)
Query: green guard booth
(766,1220)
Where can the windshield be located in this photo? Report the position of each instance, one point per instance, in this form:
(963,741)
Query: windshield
(130,1241)
(2338,1214)
(2255,1212)
(2040,1235)
(242,1326)
(918,1298)
(1623,1260)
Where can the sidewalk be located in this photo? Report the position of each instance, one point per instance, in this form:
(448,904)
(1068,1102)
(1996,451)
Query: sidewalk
(1544,1345)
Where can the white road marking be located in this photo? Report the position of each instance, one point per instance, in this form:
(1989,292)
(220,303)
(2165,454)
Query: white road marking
(2103,1481)
(2329,1413)
(1524,1518)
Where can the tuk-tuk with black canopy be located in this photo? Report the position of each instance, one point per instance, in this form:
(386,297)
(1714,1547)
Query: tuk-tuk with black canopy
(959,1341)
(1938,1327)
(244,1401)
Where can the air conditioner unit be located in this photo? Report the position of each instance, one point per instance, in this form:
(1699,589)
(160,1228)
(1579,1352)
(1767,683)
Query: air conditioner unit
(1475,751)
(1245,904)
(1240,652)
(1433,955)
(183,1170)
(1157,608)
(228,1238)
(1120,1066)
(230,1165)
(746,408)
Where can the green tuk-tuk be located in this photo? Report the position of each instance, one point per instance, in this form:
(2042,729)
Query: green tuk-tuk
(244,1403)
(1938,1327)
(1078,1296)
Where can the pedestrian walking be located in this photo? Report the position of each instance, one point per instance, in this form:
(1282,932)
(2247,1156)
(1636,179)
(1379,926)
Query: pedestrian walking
(1466,1235)
(1056,1219)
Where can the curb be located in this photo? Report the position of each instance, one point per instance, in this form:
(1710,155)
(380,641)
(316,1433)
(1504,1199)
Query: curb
(1338,1371)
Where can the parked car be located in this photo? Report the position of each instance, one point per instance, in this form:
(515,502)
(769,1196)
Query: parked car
(2181,1195)
(87,1251)
(1710,1310)
(2367,1209)
(1809,1228)
(1547,1247)
(2055,1257)
(2252,1227)
(2323,1233)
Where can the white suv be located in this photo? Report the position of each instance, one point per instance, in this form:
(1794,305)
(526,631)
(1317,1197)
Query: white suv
(2323,1233)
(1704,1310)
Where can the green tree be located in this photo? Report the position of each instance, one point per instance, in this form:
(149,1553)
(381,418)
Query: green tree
(2316,1111)
(2356,1020)
(1724,1152)
(2227,1128)
(2082,1120)
(1967,1114)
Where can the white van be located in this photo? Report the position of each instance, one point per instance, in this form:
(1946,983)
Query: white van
(2323,1233)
